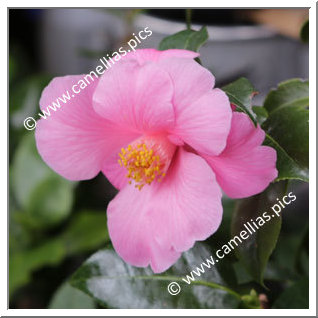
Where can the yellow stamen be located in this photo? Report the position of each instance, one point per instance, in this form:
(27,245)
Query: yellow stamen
(142,163)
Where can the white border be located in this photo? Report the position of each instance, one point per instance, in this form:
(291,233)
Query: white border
(312,160)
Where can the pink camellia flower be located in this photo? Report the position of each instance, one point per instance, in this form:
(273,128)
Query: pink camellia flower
(168,140)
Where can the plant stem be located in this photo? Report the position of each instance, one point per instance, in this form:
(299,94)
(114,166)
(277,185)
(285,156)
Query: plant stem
(188,18)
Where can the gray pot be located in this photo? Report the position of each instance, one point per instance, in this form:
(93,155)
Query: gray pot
(256,52)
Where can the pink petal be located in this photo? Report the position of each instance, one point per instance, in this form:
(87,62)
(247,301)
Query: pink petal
(146,55)
(137,97)
(154,225)
(114,172)
(75,141)
(205,124)
(190,80)
(245,167)
(203,115)
(178,53)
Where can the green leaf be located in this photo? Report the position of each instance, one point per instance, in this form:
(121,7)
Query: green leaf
(187,40)
(242,275)
(86,232)
(67,297)
(44,198)
(261,113)
(23,263)
(294,297)
(24,99)
(27,170)
(286,166)
(294,92)
(115,284)
(289,260)
(19,236)
(197,39)
(289,127)
(175,41)
(304,32)
(255,251)
(50,202)
(223,234)
(240,93)
(302,255)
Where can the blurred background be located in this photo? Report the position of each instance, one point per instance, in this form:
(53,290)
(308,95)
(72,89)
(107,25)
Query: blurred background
(56,224)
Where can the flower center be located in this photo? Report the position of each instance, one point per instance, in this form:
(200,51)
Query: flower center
(147,159)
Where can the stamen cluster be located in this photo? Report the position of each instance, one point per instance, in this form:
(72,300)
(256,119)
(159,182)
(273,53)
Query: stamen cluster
(142,163)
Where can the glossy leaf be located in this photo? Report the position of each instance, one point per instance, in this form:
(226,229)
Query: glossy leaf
(286,166)
(294,92)
(240,93)
(187,40)
(254,252)
(115,284)
(68,297)
(261,113)
(289,127)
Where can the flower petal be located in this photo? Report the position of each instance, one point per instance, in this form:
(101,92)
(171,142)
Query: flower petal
(145,55)
(203,115)
(114,172)
(74,141)
(245,167)
(205,124)
(134,96)
(190,80)
(154,225)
